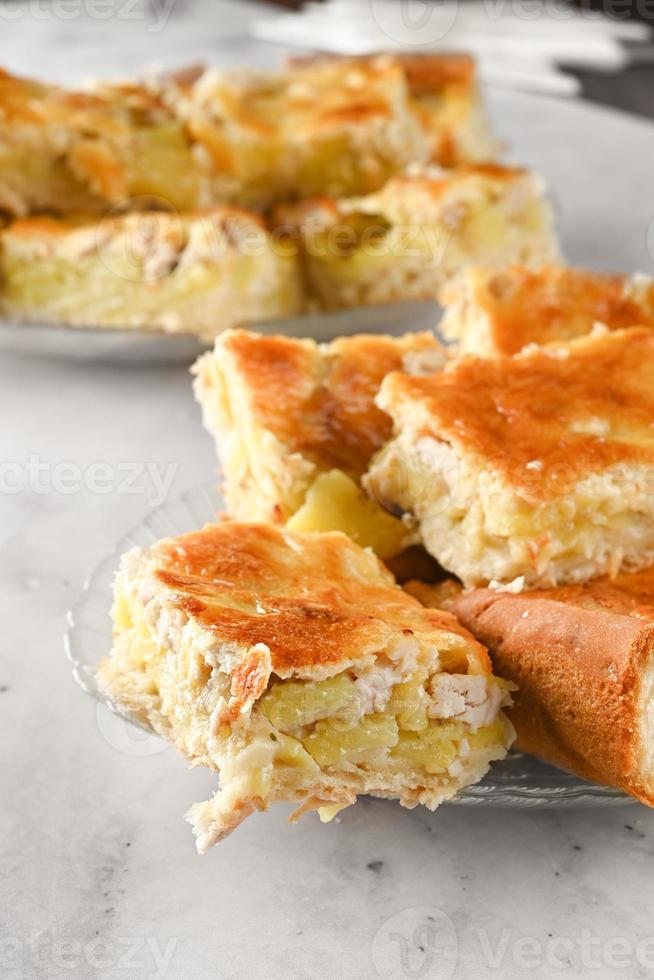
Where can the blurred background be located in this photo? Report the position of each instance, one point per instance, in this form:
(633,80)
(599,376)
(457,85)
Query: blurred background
(603,50)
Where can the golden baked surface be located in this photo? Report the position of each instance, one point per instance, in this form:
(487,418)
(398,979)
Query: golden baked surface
(437,72)
(243,137)
(545,419)
(336,127)
(311,599)
(320,401)
(444,96)
(425,73)
(627,594)
(310,98)
(86,150)
(23,100)
(553,303)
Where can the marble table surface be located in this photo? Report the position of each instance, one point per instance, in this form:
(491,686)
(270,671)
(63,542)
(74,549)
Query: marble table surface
(98,872)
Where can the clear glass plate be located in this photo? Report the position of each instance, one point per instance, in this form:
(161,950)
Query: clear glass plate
(518,781)
(98,344)
(155,347)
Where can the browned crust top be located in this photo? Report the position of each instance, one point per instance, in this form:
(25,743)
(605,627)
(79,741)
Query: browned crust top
(321,402)
(313,600)
(554,303)
(571,415)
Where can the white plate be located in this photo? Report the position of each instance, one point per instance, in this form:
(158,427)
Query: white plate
(518,781)
(597,163)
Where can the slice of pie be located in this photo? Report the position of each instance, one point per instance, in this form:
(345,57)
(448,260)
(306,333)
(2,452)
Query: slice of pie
(418,233)
(445,96)
(195,273)
(537,467)
(490,312)
(243,137)
(296,425)
(331,127)
(294,666)
(582,657)
(89,150)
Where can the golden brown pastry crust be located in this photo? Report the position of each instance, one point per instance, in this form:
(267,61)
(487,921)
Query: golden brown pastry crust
(424,72)
(313,600)
(581,657)
(555,303)
(445,98)
(574,411)
(242,137)
(320,401)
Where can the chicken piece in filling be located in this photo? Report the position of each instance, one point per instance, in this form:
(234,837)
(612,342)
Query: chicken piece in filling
(292,664)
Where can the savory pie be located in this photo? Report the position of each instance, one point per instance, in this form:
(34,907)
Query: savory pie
(490,312)
(537,467)
(444,94)
(418,233)
(582,657)
(243,137)
(196,273)
(294,666)
(69,151)
(330,127)
(295,424)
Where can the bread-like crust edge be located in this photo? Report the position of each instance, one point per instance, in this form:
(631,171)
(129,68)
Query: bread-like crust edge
(584,680)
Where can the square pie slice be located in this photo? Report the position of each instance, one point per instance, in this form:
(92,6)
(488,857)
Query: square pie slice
(445,96)
(294,666)
(582,657)
(418,233)
(329,127)
(490,312)
(244,137)
(537,467)
(295,424)
(68,151)
(192,273)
